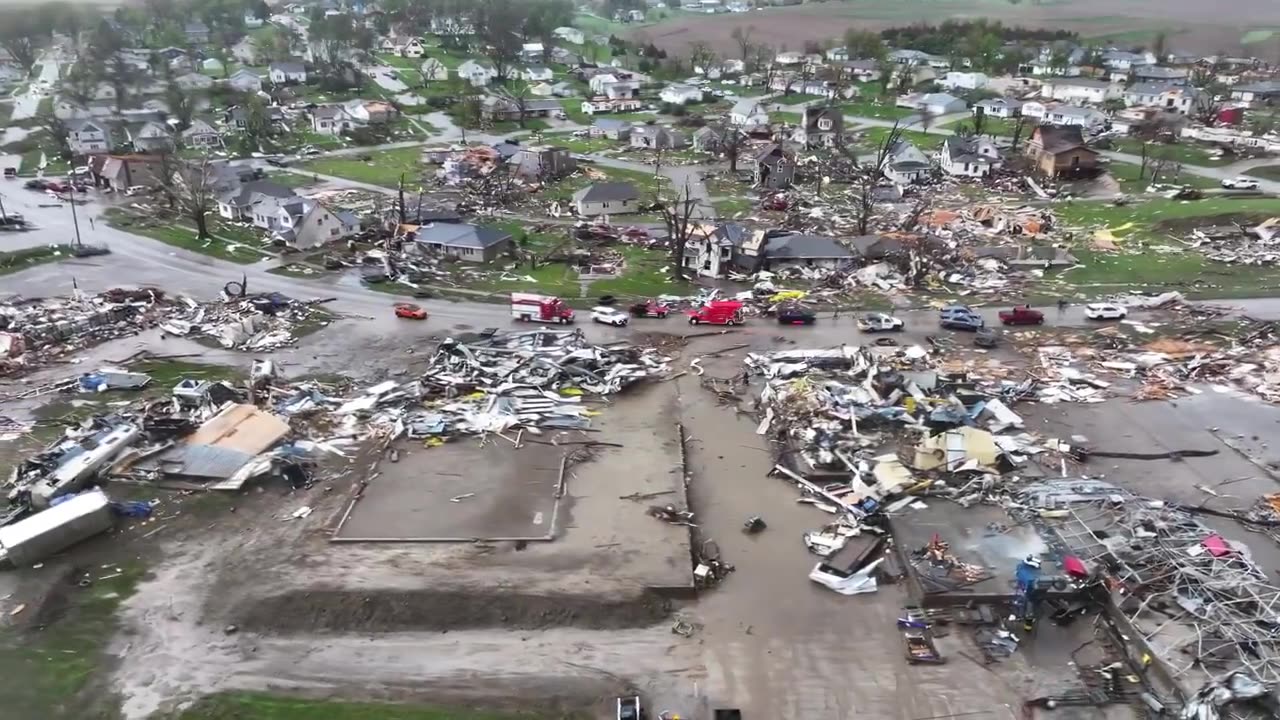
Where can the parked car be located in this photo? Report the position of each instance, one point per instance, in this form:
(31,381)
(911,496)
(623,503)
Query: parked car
(36,184)
(959,317)
(410,311)
(609,316)
(880,322)
(1240,183)
(1105,311)
(277,162)
(309,150)
(650,308)
(986,337)
(795,314)
(1021,315)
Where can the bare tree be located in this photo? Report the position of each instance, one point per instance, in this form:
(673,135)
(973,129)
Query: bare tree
(761,57)
(701,56)
(191,190)
(731,141)
(742,36)
(1018,127)
(517,94)
(869,177)
(677,210)
(1205,108)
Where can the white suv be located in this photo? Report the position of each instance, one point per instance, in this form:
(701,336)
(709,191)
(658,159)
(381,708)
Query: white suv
(609,316)
(1240,183)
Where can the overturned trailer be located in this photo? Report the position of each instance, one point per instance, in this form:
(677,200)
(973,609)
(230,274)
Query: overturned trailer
(39,536)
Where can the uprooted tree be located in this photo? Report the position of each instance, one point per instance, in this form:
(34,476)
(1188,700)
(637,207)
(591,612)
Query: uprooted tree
(867,176)
(678,209)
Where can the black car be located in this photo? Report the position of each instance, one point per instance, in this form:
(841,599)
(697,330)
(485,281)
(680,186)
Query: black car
(277,162)
(795,315)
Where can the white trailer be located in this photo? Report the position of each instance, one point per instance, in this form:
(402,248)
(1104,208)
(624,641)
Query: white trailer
(33,539)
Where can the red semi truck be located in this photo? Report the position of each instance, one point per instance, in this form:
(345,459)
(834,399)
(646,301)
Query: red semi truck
(718,312)
(531,307)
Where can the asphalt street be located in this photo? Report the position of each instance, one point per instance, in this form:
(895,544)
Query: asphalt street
(141,261)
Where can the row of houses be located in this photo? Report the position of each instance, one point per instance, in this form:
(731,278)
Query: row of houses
(302,223)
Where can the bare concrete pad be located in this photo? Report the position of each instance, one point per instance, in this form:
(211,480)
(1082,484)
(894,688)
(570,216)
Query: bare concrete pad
(500,493)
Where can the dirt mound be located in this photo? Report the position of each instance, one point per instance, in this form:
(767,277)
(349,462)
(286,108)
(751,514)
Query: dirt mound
(398,611)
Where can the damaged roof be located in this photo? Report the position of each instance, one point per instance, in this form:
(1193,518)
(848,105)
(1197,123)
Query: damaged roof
(802,246)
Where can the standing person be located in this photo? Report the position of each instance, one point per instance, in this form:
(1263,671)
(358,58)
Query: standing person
(91,223)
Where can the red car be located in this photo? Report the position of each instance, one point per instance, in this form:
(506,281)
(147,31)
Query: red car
(410,311)
(651,308)
(1021,315)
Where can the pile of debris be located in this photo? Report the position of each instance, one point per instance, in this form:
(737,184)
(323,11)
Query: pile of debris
(37,331)
(1238,243)
(863,430)
(264,321)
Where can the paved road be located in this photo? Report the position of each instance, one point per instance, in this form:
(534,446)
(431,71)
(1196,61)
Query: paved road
(26,104)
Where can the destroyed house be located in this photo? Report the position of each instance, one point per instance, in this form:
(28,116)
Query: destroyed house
(220,447)
(543,162)
(1060,150)
(469,243)
(121,172)
(711,248)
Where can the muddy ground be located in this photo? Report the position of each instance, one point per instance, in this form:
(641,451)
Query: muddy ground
(567,624)
(1191,26)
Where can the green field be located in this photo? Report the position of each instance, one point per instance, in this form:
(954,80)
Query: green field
(15,260)
(1185,153)
(229,242)
(873,109)
(384,168)
(1149,256)
(1127,175)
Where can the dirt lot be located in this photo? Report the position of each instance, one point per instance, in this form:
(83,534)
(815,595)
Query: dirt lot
(1192,26)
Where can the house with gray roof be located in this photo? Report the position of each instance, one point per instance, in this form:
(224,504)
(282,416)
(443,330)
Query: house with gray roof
(1257,93)
(257,202)
(906,164)
(998,107)
(469,243)
(611,129)
(969,157)
(287,72)
(657,137)
(764,251)
(1159,73)
(607,198)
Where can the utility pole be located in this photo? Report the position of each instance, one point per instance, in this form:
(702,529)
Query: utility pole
(4,217)
(74,220)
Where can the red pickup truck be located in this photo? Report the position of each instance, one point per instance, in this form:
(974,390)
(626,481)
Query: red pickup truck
(1021,315)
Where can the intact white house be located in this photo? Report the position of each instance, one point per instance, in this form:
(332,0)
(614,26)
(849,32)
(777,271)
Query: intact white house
(956,80)
(477,73)
(1080,90)
(999,107)
(282,73)
(969,157)
(1170,98)
(681,94)
(86,137)
(570,35)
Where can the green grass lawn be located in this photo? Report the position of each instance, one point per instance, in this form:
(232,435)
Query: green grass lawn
(384,169)
(258,706)
(1141,265)
(230,242)
(733,206)
(1137,219)
(795,99)
(16,260)
(400,62)
(647,274)
(1127,175)
(872,109)
(289,179)
(43,670)
(583,144)
(1266,172)
(1185,153)
(784,116)
(872,137)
